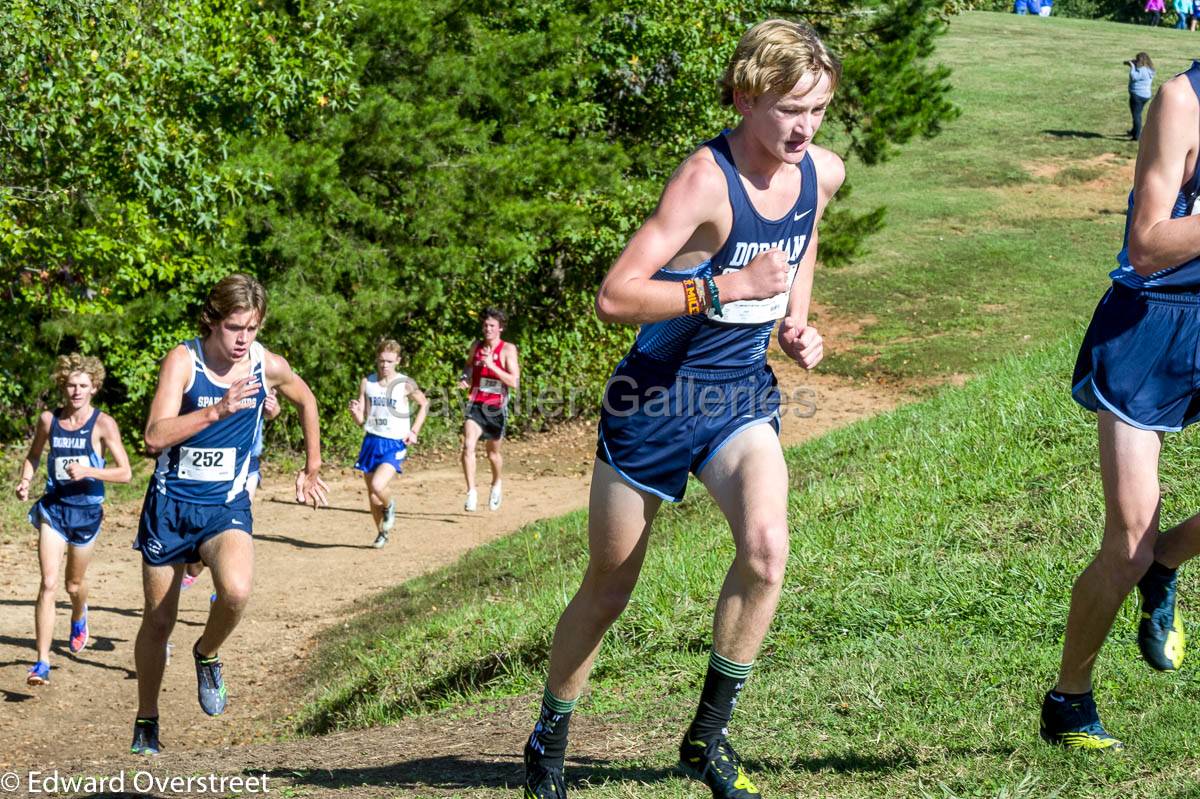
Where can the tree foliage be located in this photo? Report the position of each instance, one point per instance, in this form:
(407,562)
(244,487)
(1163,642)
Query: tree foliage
(385,170)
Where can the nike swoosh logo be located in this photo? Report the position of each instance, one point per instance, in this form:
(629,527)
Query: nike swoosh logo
(1057,698)
(236,521)
(798,217)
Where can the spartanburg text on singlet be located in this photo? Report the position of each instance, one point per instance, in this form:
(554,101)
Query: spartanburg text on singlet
(73,446)
(739,338)
(1181,276)
(211,467)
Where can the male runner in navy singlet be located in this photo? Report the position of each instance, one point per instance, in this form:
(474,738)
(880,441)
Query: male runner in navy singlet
(729,251)
(1137,369)
(203,422)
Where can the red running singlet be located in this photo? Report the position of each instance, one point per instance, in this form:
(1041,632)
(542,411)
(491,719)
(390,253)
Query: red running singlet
(486,387)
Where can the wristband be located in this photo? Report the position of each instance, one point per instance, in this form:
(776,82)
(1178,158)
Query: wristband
(714,296)
(691,296)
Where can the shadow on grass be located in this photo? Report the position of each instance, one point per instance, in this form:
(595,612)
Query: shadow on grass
(462,772)
(853,762)
(1079,134)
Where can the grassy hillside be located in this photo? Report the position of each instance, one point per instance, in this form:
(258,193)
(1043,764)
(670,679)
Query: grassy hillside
(1001,230)
(933,549)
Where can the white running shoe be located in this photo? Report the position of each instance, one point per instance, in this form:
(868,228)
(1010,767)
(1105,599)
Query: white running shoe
(389,519)
(472,502)
(494,499)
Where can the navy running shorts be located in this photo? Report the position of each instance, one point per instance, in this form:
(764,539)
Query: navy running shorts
(1140,359)
(78,525)
(171,531)
(491,419)
(377,450)
(659,423)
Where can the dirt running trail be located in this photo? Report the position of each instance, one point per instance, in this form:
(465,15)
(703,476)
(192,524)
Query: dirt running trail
(311,568)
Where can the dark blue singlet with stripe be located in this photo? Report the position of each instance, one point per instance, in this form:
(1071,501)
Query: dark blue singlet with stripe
(691,383)
(1140,357)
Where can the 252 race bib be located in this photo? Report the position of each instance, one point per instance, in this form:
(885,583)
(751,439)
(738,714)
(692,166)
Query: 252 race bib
(207,464)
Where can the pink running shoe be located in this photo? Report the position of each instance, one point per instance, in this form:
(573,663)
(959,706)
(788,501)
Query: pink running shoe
(187,581)
(79,633)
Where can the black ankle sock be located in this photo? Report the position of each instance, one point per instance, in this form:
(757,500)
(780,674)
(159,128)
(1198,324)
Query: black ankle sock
(549,737)
(146,720)
(1070,697)
(722,684)
(1158,570)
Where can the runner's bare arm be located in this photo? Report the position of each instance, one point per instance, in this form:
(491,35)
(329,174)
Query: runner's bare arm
(165,427)
(417,396)
(110,439)
(689,225)
(798,339)
(1171,135)
(41,434)
(464,380)
(358,407)
(310,488)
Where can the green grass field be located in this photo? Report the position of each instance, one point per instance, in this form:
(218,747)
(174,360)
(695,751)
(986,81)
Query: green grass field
(998,233)
(933,549)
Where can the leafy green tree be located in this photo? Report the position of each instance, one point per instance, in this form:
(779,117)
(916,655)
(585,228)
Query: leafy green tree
(115,123)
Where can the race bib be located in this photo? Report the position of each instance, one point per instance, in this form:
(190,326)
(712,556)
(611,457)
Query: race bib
(490,385)
(753,312)
(207,465)
(61,464)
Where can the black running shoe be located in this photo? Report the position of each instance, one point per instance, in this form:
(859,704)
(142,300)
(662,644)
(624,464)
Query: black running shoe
(718,766)
(1075,724)
(145,737)
(1160,630)
(210,688)
(542,780)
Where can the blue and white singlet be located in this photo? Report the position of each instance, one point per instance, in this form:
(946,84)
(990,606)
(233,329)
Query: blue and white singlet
(1182,276)
(738,339)
(211,467)
(67,447)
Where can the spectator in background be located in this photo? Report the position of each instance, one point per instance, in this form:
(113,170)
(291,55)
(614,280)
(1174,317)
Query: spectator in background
(1021,7)
(1155,9)
(1183,11)
(1046,8)
(1141,77)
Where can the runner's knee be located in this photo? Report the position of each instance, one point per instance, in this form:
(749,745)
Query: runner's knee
(1125,565)
(49,584)
(763,553)
(234,594)
(74,587)
(157,625)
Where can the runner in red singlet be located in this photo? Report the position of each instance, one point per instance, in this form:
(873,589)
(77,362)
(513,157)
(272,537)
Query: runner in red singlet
(491,371)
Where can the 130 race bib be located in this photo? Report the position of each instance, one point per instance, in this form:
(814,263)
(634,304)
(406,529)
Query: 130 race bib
(61,464)
(207,465)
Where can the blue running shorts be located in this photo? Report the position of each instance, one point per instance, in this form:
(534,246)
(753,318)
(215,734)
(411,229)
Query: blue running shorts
(78,525)
(1140,359)
(377,450)
(658,423)
(171,531)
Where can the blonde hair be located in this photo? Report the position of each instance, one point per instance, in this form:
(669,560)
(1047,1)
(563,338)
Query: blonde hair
(389,345)
(67,365)
(773,56)
(233,293)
